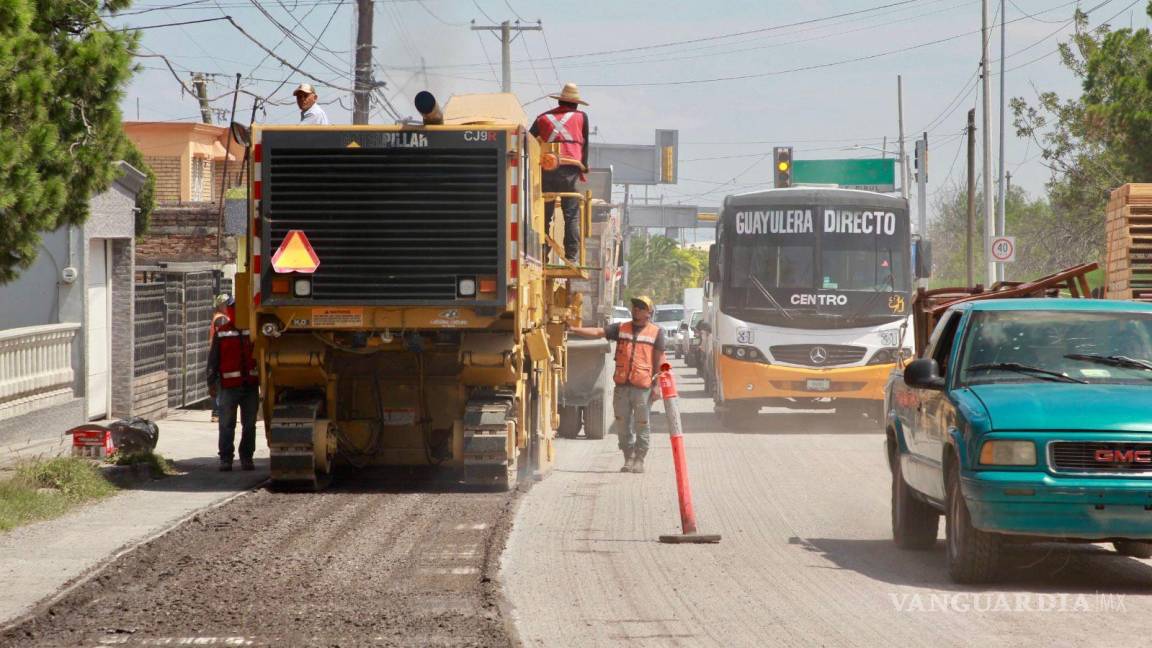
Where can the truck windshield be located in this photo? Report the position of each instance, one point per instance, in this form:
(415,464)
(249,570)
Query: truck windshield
(668,315)
(1093,347)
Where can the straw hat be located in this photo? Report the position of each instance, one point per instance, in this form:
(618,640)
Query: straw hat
(570,93)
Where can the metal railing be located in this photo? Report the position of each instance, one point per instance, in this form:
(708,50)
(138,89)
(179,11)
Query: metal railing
(36,368)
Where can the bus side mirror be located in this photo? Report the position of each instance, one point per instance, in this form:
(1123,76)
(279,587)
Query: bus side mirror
(922,257)
(713,264)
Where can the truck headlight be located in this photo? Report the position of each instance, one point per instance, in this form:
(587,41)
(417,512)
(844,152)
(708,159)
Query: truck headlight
(1008,453)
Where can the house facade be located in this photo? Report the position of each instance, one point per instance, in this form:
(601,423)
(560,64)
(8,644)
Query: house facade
(66,323)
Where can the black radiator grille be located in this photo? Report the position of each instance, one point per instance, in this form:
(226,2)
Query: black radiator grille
(1081,456)
(397,225)
(817,355)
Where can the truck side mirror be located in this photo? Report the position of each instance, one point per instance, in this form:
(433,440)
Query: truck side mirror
(713,264)
(924,374)
(922,255)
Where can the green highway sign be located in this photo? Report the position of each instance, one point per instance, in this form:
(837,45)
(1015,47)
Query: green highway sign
(870,174)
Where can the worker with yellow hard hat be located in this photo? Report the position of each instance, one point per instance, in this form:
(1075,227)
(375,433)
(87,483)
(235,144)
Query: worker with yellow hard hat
(639,354)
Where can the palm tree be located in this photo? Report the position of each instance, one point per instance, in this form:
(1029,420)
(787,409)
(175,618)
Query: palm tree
(659,268)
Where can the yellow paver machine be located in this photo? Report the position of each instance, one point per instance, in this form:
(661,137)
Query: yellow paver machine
(401,303)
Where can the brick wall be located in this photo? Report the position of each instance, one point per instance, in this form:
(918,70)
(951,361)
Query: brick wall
(167,170)
(234,172)
(123,315)
(184,233)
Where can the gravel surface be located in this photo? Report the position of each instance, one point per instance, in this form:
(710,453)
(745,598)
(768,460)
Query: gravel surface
(357,565)
(807,559)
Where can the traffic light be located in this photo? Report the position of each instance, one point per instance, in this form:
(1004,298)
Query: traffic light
(782,166)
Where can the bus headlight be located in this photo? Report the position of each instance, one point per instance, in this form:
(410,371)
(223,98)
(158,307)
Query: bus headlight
(743,352)
(889,356)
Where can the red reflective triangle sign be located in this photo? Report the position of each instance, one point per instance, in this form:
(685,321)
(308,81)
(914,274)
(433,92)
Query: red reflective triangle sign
(295,254)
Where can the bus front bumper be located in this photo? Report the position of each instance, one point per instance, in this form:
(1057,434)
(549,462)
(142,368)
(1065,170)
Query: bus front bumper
(743,380)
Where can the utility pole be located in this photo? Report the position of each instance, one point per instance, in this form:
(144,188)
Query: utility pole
(362,95)
(900,118)
(1001,228)
(922,186)
(989,215)
(506,30)
(971,225)
(200,85)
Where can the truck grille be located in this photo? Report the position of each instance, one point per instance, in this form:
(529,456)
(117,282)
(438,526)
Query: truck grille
(803,354)
(389,225)
(1080,456)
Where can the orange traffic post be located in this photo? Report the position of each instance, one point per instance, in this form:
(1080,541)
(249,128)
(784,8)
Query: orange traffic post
(683,489)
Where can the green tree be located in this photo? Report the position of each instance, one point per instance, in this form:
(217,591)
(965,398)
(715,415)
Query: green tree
(1044,241)
(660,268)
(63,73)
(1092,143)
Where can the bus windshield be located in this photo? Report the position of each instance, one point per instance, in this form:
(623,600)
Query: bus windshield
(863,264)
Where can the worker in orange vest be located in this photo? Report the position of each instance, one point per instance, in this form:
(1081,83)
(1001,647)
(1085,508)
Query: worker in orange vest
(567,126)
(639,354)
(235,380)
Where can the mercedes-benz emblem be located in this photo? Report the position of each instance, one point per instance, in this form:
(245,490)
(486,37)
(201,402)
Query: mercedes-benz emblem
(818,355)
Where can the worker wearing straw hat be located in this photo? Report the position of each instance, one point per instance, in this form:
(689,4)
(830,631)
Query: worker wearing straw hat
(567,126)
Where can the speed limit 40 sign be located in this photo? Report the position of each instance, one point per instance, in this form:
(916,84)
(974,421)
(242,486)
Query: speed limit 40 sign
(1004,249)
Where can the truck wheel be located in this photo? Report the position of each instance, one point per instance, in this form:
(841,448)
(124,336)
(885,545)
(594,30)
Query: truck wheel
(973,555)
(595,423)
(914,523)
(569,422)
(1133,548)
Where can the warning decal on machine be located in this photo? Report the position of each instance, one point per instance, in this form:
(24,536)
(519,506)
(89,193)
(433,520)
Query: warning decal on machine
(338,317)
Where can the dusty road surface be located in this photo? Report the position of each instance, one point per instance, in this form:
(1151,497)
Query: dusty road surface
(806,557)
(359,565)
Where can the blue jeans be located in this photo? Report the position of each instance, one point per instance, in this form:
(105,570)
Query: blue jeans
(632,425)
(248,400)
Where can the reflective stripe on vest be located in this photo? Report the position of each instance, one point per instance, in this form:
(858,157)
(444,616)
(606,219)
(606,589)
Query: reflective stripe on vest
(635,355)
(565,127)
(236,364)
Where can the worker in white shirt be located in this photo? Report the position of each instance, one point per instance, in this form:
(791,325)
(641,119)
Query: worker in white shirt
(310,112)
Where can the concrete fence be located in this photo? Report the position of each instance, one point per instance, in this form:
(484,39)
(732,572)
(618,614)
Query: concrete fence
(36,368)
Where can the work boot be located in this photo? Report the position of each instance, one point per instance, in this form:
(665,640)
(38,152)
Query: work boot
(627,460)
(225,465)
(638,460)
(247,464)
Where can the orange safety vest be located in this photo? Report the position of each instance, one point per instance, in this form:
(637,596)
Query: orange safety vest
(237,366)
(635,355)
(565,126)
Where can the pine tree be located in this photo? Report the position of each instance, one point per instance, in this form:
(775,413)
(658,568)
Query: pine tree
(62,71)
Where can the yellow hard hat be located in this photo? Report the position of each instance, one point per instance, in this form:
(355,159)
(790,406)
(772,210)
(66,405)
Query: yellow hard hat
(643,300)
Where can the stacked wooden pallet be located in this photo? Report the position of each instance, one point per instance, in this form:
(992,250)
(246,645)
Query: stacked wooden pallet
(1129,243)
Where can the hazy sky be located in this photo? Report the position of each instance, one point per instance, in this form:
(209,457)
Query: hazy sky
(647,64)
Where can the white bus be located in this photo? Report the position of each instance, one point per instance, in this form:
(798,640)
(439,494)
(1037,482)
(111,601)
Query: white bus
(811,291)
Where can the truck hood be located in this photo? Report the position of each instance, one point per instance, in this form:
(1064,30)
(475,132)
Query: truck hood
(1056,406)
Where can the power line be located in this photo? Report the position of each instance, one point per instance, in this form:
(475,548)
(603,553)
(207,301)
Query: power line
(805,68)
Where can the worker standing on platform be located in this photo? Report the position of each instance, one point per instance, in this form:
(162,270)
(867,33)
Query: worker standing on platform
(639,355)
(567,126)
(310,113)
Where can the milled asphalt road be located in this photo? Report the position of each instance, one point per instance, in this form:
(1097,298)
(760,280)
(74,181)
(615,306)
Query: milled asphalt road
(806,557)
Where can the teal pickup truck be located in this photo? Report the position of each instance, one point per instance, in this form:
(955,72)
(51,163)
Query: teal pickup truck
(1025,420)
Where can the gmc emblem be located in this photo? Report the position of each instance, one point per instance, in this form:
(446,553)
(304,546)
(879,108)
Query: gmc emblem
(1124,456)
